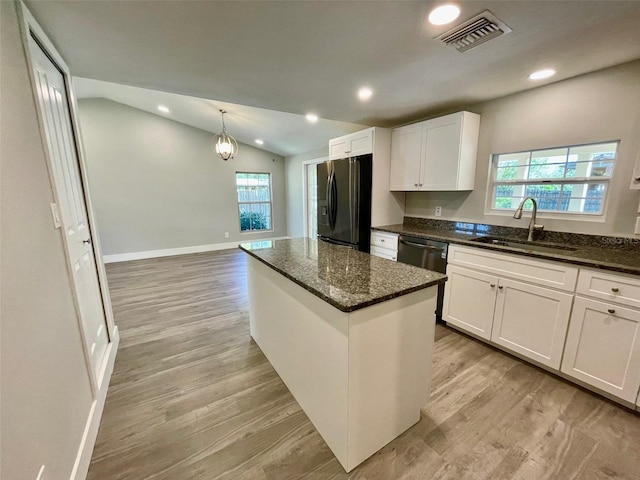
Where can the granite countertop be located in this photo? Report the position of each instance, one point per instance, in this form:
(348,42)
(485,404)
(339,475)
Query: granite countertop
(607,253)
(345,278)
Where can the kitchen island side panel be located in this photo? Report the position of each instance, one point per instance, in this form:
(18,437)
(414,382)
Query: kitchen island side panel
(306,341)
(390,362)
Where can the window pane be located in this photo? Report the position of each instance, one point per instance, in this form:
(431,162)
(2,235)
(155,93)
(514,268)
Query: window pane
(254,200)
(511,173)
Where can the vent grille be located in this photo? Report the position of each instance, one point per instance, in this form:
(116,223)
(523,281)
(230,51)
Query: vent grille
(474,32)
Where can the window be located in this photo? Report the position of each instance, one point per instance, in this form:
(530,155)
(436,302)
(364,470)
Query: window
(254,201)
(569,180)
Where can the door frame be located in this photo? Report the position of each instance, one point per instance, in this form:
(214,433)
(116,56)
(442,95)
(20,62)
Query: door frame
(305,199)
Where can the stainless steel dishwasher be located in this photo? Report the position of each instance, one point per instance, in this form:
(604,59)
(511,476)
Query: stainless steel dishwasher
(425,254)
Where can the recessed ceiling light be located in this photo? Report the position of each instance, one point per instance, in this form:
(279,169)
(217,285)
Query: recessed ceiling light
(259,142)
(163,109)
(365,93)
(540,74)
(311,117)
(444,14)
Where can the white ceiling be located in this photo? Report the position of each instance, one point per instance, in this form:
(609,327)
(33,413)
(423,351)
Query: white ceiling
(283,133)
(301,56)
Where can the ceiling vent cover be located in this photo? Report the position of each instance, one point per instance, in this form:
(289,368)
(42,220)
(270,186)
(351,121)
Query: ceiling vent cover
(474,32)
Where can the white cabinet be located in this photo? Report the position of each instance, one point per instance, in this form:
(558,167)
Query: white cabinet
(387,208)
(384,245)
(531,320)
(486,296)
(470,300)
(603,341)
(352,145)
(437,154)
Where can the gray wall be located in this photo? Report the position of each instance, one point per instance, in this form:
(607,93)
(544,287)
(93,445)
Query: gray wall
(46,393)
(601,106)
(157,184)
(295,200)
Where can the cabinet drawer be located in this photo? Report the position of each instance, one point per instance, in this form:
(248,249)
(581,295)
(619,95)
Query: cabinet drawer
(616,288)
(385,240)
(384,253)
(539,272)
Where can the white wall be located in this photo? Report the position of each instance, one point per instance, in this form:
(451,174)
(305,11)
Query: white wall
(46,394)
(294,179)
(157,184)
(604,105)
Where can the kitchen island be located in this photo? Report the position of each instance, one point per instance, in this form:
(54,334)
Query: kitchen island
(351,335)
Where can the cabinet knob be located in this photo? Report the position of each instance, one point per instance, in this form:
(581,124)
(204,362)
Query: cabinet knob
(615,289)
(415,184)
(611,310)
(382,240)
(420,184)
(501,287)
(637,179)
(493,285)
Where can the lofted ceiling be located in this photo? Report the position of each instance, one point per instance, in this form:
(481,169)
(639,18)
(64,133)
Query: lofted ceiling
(282,59)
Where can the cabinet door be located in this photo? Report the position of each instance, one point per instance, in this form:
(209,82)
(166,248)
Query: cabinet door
(406,147)
(532,321)
(360,143)
(338,148)
(603,347)
(469,300)
(441,153)
(384,253)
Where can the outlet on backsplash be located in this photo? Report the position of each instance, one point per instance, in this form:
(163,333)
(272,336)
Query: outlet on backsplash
(438,211)
(637,226)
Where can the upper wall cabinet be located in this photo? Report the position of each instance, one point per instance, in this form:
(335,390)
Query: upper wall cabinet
(437,154)
(359,143)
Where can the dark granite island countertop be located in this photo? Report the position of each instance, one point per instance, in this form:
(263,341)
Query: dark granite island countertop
(347,279)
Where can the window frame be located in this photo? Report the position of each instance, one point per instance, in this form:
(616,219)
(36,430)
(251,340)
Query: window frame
(239,203)
(493,183)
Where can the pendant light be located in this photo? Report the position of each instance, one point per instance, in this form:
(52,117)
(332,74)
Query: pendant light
(225,145)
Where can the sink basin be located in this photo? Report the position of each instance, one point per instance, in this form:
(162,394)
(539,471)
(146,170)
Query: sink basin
(524,245)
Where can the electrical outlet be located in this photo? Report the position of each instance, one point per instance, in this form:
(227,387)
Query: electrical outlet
(226,234)
(55,215)
(638,226)
(41,474)
(438,211)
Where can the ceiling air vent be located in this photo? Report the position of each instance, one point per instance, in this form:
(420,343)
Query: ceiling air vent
(474,32)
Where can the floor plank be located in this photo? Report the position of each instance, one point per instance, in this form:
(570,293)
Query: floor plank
(193,397)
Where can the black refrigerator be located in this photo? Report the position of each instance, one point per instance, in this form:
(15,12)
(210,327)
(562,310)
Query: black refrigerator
(344,202)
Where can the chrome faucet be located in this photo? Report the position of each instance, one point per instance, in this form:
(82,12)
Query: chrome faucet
(532,224)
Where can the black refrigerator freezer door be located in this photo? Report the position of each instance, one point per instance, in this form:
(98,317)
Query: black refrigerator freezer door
(337,186)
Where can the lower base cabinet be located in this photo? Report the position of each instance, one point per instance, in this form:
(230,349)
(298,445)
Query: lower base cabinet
(470,300)
(531,321)
(603,347)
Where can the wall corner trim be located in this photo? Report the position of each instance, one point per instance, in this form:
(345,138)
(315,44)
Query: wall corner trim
(169,252)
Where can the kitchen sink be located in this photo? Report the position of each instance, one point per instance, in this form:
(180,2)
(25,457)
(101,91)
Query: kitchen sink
(524,245)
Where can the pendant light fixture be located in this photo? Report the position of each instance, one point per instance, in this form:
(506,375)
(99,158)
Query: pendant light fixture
(225,145)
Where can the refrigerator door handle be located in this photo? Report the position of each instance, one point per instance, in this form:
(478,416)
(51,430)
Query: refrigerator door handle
(354,186)
(334,200)
(329,206)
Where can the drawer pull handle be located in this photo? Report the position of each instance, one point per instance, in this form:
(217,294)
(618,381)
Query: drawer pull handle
(615,289)
(493,285)
(611,310)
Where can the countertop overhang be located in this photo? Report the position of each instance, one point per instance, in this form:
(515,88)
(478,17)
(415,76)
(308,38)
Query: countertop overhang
(346,279)
(606,257)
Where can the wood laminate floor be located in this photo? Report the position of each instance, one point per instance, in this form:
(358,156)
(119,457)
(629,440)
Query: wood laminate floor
(192,397)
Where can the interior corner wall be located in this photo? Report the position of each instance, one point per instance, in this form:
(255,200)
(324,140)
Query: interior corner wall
(156,184)
(46,393)
(294,178)
(596,107)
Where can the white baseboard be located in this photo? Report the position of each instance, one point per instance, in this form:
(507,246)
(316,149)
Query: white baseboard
(85,450)
(169,252)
